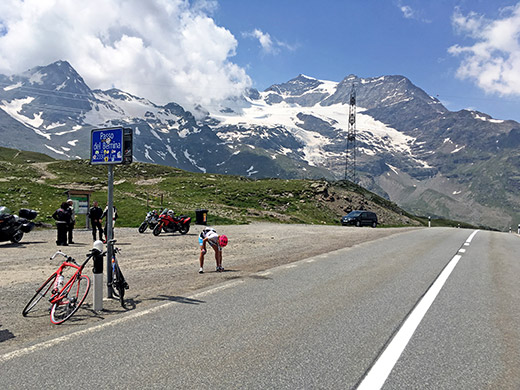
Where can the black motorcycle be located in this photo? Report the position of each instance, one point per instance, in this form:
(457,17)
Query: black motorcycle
(13,227)
(151,220)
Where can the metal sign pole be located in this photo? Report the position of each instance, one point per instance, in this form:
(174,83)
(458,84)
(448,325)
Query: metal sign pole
(111,146)
(110,227)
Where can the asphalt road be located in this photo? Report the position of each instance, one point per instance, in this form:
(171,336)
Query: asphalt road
(321,323)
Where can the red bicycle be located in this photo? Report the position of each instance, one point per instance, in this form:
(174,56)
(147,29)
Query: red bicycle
(66,297)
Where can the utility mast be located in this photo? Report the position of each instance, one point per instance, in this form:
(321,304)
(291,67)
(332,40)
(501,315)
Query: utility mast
(350,158)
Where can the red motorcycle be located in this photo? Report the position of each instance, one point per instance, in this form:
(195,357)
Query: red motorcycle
(169,223)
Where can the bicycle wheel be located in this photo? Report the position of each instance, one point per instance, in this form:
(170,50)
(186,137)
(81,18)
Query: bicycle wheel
(71,300)
(115,282)
(118,284)
(40,293)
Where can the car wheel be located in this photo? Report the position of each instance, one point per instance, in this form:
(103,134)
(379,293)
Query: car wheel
(374,224)
(358,223)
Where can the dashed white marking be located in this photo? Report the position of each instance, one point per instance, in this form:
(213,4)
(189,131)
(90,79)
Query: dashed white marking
(377,375)
(462,250)
(290,266)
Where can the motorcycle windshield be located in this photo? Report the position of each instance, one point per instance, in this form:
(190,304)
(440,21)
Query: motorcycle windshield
(4,210)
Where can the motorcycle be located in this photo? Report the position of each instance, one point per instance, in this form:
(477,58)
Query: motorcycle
(170,223)
(151,220)
(13,227)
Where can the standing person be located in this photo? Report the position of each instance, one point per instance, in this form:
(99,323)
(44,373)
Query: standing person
(114,217)
(217,242)
(96,214)
(70,226)
(62,217)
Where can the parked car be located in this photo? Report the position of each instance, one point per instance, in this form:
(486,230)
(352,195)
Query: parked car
(360,218)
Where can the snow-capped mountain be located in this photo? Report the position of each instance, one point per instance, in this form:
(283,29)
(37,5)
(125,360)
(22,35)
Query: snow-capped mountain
(411,149)
(51,110)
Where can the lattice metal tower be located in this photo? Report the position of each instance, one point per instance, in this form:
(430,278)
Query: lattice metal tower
(350,158)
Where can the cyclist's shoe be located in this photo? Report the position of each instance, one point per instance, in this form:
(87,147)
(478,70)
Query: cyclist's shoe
(126,286)
(201,271)
(220,269)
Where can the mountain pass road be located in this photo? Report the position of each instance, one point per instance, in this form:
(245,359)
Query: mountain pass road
(426,309)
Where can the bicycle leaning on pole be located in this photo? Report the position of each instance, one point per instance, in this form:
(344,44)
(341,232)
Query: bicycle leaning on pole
(118,283)
(65,297)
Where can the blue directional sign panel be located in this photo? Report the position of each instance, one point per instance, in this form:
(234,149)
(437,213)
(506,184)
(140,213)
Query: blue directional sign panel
(107,146)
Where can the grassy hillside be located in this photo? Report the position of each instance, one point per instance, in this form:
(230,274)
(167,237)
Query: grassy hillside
(39,182)
(21,157)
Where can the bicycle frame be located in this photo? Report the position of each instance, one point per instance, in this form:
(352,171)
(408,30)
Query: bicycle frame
(117,281)
(58,295)
(65,300)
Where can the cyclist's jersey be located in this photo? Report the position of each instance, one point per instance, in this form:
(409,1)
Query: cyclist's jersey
(210,234)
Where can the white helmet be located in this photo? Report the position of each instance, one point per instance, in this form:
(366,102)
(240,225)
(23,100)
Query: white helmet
(170,213)
(98,245)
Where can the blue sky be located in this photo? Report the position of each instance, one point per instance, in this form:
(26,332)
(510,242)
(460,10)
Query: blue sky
(332,39)
(464,52)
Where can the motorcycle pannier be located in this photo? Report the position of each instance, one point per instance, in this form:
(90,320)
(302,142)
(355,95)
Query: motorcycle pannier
(27,227)
(27,213)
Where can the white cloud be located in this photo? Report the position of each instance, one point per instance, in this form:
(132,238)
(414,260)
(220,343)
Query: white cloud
(414,13)
(407,11)
(493,61)
(264,39)
(164,50)
(268,45)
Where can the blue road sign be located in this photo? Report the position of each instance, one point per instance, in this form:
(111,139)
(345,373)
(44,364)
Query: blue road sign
(107,146)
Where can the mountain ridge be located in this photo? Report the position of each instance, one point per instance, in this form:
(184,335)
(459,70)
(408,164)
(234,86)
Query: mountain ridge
(411,149)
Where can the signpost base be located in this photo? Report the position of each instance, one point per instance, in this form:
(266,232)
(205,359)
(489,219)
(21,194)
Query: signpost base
(98,291)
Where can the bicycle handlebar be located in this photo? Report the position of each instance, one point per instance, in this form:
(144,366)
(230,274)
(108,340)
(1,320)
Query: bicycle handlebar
(72,260)
(58,253)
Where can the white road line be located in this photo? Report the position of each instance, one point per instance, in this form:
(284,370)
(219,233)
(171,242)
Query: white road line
(378,374)
(50,343)
(462,250)
(471,236)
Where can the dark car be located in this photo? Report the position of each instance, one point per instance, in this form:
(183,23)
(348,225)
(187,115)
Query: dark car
(360,218)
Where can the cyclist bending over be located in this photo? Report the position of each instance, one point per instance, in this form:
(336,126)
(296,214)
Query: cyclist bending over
(217,242)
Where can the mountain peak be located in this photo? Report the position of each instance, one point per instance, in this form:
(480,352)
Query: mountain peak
(296,86)
(59,76)
(304,77)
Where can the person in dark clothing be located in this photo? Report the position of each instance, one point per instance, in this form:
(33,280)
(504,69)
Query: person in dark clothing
(70,226)
(96,214)
(114,217)
(62,217)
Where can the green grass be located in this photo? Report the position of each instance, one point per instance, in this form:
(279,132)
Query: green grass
(140,187)
(19,156)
